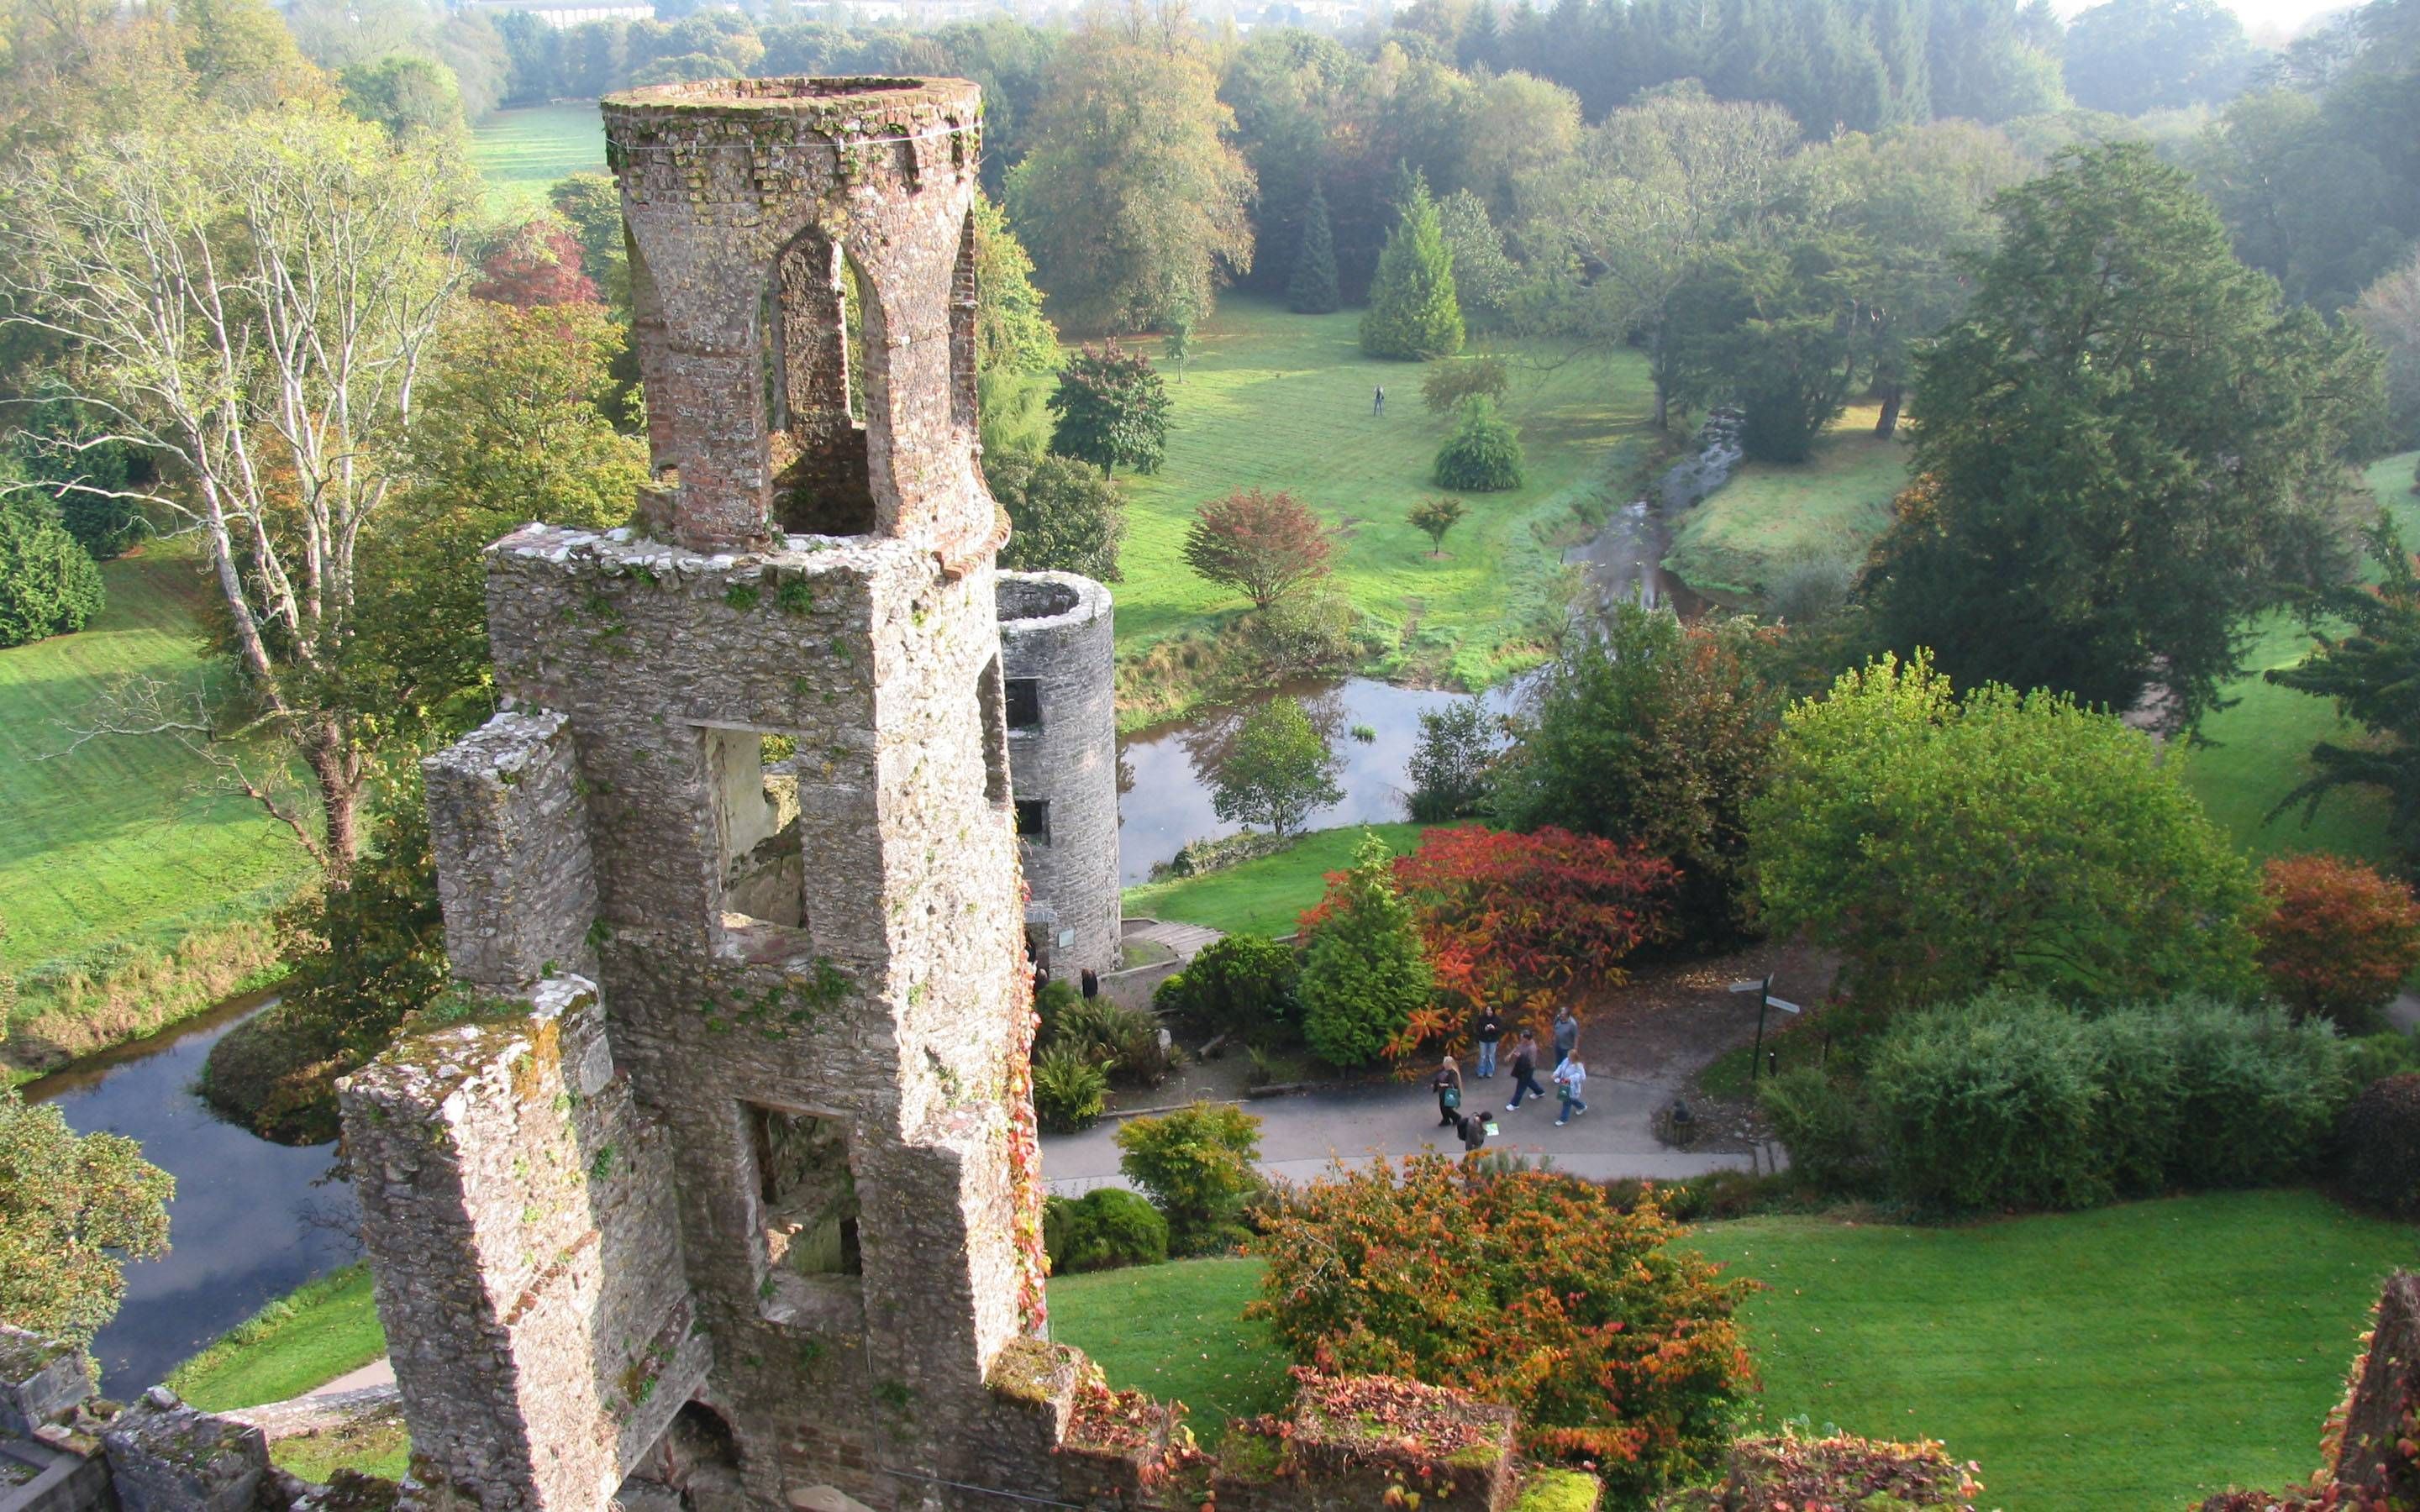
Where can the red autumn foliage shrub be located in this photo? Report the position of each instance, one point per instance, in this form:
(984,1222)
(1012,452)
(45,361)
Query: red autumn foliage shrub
(538,265)
(1511,919)
(1265,545)
(2339,937)
(1838,1472)
(1525,1288)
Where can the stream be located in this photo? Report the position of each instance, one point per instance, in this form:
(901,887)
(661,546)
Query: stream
(251,1220)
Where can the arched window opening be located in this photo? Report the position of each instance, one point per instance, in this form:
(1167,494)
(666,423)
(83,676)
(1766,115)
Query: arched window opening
(818,441)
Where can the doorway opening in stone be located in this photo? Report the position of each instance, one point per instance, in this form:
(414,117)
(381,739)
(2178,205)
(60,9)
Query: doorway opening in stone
(693,1468)
(819,331)
(760,863)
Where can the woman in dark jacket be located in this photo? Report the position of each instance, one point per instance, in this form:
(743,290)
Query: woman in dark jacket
(1448,1082)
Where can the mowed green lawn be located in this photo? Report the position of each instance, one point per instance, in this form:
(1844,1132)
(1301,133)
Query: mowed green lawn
(297,1344)
(120,839)
(520,152)
(1262,896)
(2133,1358)
(1769,515)
(1278,400)
(1178,1331)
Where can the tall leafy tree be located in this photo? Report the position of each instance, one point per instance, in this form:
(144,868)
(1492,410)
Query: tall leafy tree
(1063,514)
(74,1209)
(2129,56)
(1012,334)
(1413,314)
(1312,288)
(256,301)
(1112,409)
(1276,770)
(1945,844)
(2389,311)
(1770,329)
(2128,446)
(1129,192)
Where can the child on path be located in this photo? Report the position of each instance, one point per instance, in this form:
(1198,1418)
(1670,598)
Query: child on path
(1448,1082)
(1525,1071)
(1489,1029)
(1571,1079)
(1567,1034)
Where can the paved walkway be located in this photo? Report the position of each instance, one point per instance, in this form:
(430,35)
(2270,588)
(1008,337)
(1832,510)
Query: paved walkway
(1187,940)
(376,1373)
(1302,1133)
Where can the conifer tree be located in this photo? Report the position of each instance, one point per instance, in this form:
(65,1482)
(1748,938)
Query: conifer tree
(1313,290)
(1413,312)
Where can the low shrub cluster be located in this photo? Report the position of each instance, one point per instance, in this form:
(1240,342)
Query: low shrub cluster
(1199,1166)
(1239,984)
(1838,1471)
(2013,1102)
(1523,1288)
(2379,1146)
(1102,1230)
(1083,1047)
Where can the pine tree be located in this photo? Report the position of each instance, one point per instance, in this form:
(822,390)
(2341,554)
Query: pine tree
(1313,290)
(1413,312)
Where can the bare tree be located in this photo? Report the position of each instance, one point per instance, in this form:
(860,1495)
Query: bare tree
(251,301)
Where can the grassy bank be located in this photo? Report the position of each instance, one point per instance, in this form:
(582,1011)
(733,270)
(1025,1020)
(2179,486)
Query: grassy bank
(2135,1357)
(133,893)
(1177,1331)
(1769,515)
(296,1344)
(1265,895)
(520,152)
(1277,400)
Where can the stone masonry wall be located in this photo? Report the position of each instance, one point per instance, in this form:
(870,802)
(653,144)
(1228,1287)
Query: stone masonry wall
(1057,629)
(891,1013)
(510,828)
(518,1209)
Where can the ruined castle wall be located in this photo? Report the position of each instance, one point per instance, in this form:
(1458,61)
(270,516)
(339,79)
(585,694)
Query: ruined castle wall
(510,829)
(1057,637)
(520,1221)
(889,1016)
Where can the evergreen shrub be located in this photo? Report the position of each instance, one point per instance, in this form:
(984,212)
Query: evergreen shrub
(1239,984)
(48,584)
(1483,455)
(1101,1231)
(2378,1160)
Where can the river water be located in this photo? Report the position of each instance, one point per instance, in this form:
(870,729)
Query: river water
(251,1220)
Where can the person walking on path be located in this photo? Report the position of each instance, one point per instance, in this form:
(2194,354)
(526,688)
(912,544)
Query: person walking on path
(1525,1071)
(1473,1130)
(1567,1034)
(1379,401)
(1448,1082)
(1571,1079)
(1489,1029)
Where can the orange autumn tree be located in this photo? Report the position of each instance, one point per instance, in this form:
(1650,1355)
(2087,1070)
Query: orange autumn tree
(2338,937)
(1513,920)
(1526,1288)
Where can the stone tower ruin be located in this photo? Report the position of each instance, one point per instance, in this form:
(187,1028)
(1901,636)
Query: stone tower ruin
(749,1205)
(1057,648)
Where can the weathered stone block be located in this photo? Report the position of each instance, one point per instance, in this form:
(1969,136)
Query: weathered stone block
(39,1379)
(167,1456)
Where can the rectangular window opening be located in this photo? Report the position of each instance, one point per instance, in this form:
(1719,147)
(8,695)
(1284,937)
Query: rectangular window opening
(808,1197)
(760,866)
(1024,703)
(1034,819)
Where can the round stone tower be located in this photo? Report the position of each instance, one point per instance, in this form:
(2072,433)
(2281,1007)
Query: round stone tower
(1056,654)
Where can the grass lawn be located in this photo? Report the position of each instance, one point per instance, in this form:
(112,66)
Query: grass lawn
(2135,1357)
(302,1341)
(1770,515)
(114,848)
(1277,400)
(520,152)
(1263,896)
(1177,1331)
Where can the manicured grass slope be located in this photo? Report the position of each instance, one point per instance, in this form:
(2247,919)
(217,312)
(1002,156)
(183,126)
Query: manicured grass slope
(1177,1331)
(117,842)
(1277,400)
(521,151)
(302,1341)
(1770,515)
(1266,895)
(2137,1357)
